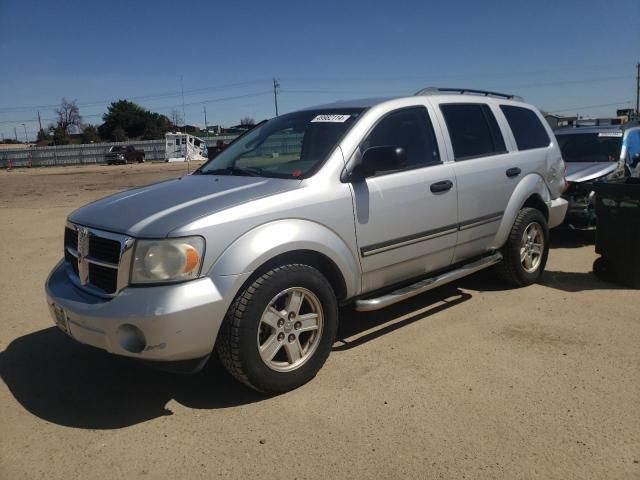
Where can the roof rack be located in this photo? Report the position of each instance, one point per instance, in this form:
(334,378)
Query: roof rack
(462,91)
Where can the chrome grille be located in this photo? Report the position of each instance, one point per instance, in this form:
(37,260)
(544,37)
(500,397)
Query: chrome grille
(99,260)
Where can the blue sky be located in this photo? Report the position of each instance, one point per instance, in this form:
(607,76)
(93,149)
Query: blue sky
(563,56)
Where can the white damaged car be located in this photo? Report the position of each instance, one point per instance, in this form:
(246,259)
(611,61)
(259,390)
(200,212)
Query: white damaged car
(595,154)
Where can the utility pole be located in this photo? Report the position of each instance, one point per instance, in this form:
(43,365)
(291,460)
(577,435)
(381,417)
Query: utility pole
(637,90)
(276,86)
(39,121)
(25,133)
(184,117)
(206,126)
(15,133)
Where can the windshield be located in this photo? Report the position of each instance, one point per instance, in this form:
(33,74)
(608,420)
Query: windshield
(590,147)
(116,149)
(290,146)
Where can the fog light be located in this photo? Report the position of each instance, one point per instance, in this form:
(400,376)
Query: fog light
(131,338)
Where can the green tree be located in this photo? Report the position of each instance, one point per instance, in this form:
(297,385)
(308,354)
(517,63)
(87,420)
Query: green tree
(60,136)
(90,134)
(43,138)
(118,134)
(134,120)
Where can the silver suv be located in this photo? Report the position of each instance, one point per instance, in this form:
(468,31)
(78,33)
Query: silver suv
(366,202)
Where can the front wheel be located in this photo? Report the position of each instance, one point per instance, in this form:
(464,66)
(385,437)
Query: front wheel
(279,330)
(526,251)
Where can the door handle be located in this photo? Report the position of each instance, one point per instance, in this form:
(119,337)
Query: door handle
(443,186)
(513,172)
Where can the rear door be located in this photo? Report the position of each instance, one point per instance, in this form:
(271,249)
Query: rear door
(405,220)
(485,172)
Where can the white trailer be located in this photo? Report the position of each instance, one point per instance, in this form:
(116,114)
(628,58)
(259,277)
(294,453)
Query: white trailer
(180,147)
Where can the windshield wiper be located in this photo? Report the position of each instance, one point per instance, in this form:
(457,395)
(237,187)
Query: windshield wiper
(250,172)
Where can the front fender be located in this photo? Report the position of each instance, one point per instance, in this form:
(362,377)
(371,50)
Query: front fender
(267,241)
(532,184)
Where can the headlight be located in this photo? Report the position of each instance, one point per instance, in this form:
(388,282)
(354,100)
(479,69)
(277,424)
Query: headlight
(167,260)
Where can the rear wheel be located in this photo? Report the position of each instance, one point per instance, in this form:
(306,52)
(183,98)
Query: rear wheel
(526,251)
(279,331)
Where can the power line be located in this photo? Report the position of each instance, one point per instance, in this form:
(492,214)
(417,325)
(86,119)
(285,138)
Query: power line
(513,87)
(463,75)
(318,91)
(564,82)
(177,94)
(216,100)
(164,107)
(584,107)
(157,96)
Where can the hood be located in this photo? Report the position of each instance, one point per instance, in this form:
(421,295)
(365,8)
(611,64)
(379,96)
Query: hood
(158,209)
(585,171)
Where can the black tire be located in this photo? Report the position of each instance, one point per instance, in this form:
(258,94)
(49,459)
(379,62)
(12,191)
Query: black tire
(510,269)
(603,269)
(237,344)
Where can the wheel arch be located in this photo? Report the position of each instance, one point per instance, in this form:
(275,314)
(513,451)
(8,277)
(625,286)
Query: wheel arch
(535,201)
(314,259)
(292,241)
(532,192)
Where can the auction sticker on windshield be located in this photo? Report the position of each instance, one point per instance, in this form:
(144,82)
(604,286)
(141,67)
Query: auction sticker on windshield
(610,134)
(331,118)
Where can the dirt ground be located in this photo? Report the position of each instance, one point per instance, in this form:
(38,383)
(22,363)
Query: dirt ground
(469,381)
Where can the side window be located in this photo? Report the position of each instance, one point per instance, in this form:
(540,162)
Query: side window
(473,130)
(411,129)
(526,127)
(633,145)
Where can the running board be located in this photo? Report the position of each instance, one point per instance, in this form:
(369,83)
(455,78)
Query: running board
(370,304)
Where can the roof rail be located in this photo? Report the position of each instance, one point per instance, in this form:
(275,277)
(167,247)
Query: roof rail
(462,91)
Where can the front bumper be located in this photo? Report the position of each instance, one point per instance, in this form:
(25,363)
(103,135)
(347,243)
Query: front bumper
(158,323)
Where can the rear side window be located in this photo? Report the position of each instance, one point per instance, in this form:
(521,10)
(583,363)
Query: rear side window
(473,130)
(526,127)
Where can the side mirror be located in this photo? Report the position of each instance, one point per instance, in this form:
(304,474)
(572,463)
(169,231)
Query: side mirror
(635,160)
(379,159)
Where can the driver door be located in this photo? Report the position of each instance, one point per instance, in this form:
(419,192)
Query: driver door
(406,220)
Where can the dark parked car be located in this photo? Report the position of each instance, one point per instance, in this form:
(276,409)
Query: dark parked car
(124,154)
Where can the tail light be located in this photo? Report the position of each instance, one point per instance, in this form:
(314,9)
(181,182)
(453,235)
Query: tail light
(564,176)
